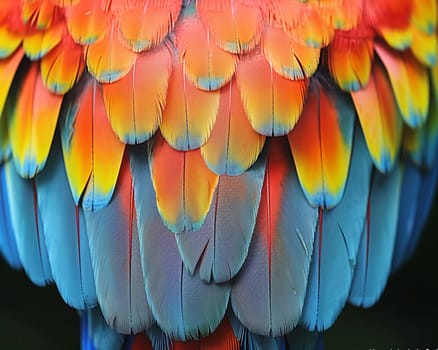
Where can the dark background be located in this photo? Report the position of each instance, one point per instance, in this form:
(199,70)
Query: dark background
(405,318)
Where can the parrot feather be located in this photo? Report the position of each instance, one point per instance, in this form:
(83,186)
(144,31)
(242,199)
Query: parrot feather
(236,25)
(8,244)
(184,306)
(272,112)
(32,117)
(8,69)
(183,184)
(219,248)
(378,239)
(336,245)
(116,259)
(206,65)
(9,43)
(26,226)
(100,334)
(278,261)
(413,98)
(135,104)
(190,113)
(39,43)
(321,145)
(233,145)
(302,339)
(380,119)
(65,234)
(424,46)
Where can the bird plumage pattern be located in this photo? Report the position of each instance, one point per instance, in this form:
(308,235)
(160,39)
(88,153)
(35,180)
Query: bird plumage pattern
(215,174)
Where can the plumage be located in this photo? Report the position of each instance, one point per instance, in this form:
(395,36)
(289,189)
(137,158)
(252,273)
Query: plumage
(183,184)
(337,240)
(116,259)
(215,174)
(321,145)
(276,111)
(184,306)
(64,234)
(233,145)
(219,248)
(279,254)
(378,238)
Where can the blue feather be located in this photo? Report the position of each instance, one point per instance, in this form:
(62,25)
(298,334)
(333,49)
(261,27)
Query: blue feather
(26,226)
(65,234)
(378,239)
(101,335)
(251,341)
(86,341)
(220,247)
(8,245)
(184,306)
(336,245)
(407,213)
(115,254)
(159,340)
(268,294)
(426,196)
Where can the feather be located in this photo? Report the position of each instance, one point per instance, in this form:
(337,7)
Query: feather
(5,146)
(424,47)
(321,145)
(100,334)
(8,244)
(116,259)
(223,338)
(62,67)
(378,239)
(273,103)
(350,58)
(8,69)
(409,199)
(189,114)
(233,145)
(424,15)
(380,119)
(65,234)
(219,248)
(32,116)
(336,245)
(206,65)
(86,21)
(413,98)
(251,341)
(287,57)
(108,60)
(92,153)
(38,14)
(26,226)
(184,306)
(135,103)
(235,25)
(183,185)
(145,25)
(158,339)
(141,342)
(39,43)
(278,261)
(9,42)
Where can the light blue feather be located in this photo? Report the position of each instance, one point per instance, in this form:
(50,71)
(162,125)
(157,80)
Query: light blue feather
(409,202)
(378,240)
(337,243)
(425,200)
(220,247)
(101,335)
(65,235)
(159,340)
(8,245)
(115,254)
(26,226)
(251,341)
(268,293)
(184,306)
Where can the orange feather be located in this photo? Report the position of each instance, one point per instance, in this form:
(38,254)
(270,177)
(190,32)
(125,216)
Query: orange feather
(8,68)
(233,145)
(135,102)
